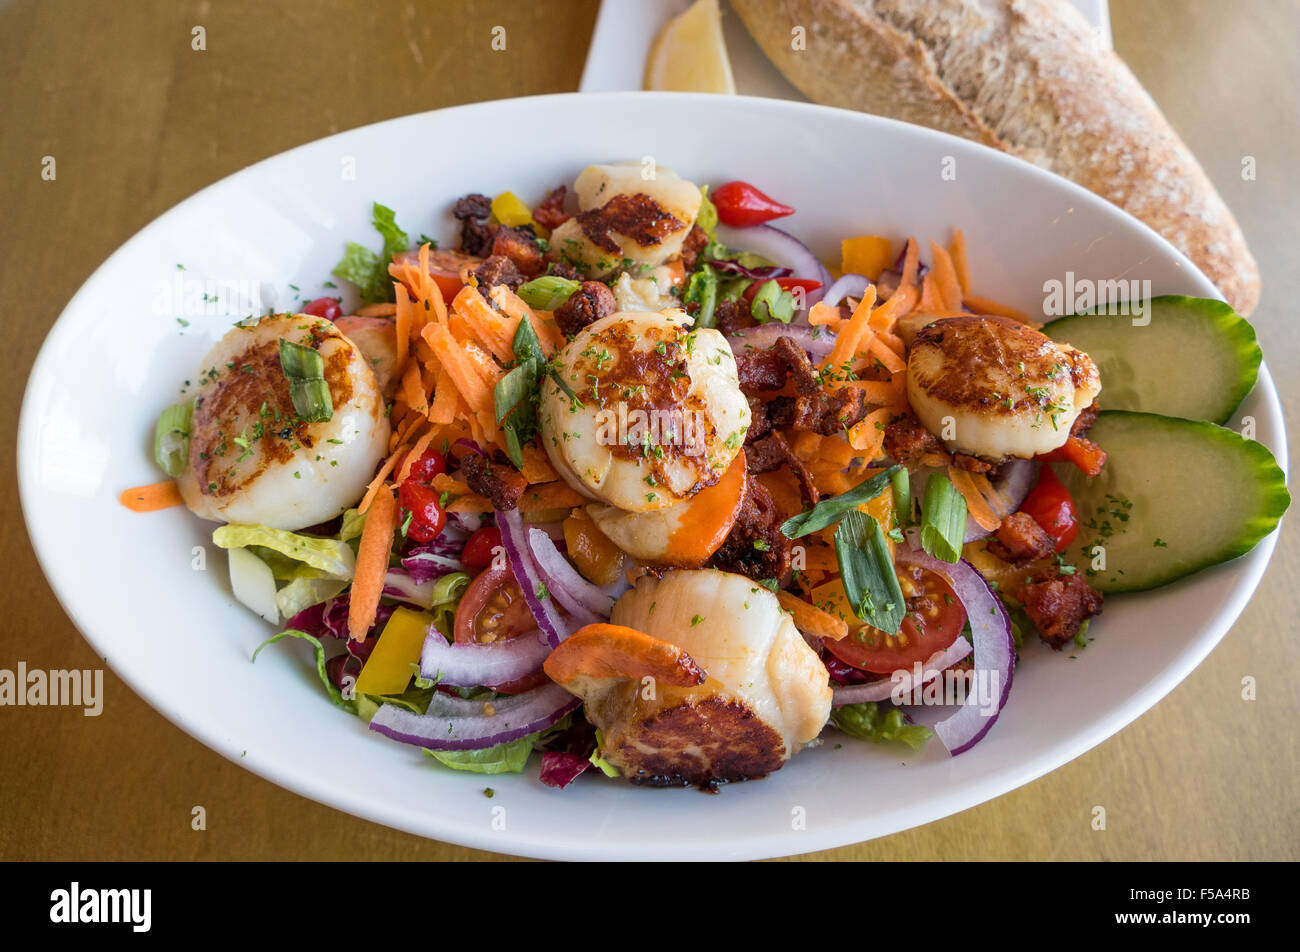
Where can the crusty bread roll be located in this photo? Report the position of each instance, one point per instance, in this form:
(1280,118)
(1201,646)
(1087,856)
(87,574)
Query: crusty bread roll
(1026,76)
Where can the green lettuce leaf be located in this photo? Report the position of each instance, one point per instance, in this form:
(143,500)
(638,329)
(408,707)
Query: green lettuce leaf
(503,758)
(366,269)
(303,593)
(330,557)
(335,694)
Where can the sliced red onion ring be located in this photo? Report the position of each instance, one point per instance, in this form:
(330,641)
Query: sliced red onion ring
(1014,485)
(510,719)
(573,592)
(735,267)
(514,538)
(846,286)
(471,665)
(818,344)
(781,247)
(995,650)
(883,690)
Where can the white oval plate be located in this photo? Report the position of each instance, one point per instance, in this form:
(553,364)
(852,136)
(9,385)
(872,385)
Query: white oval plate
(117,357)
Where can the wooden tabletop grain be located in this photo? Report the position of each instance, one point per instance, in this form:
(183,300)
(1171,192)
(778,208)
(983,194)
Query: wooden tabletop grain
(138,119)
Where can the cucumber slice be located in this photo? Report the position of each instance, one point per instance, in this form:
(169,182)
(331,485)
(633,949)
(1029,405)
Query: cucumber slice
(1174,497)
(1196,359)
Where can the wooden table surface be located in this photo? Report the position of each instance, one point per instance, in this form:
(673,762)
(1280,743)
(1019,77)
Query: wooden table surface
(137,120)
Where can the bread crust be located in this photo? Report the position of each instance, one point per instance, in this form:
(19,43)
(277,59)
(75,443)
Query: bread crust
(1029,77)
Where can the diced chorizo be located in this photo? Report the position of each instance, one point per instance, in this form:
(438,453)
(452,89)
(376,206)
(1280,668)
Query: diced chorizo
(1058,606)
(592,301)
(499,482)
(1020,539)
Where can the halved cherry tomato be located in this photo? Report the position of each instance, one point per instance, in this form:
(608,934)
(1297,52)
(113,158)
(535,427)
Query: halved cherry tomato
(1052,507)
(326,307)
(933,625)
(480,547)
(493,609)
(740,205)
(431,464)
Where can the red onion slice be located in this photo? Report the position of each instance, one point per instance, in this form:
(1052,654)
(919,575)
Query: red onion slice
(903,679)
(846,286)
(1016,482)
(574,593)
(780,247)
(476,665)
(491,723)
(818,342)
(995,650)
(514,538)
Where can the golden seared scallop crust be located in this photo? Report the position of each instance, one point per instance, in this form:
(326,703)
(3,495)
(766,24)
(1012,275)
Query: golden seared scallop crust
(696,737)
(657,413)
(993,387)
(252,459)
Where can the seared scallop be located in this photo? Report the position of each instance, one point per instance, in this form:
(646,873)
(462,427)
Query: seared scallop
(700,678)
(630,214)
(650,411)
(252,459)
(992,387)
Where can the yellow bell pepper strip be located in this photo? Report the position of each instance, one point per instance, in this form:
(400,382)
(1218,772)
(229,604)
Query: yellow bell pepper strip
(868,255)
(388,669)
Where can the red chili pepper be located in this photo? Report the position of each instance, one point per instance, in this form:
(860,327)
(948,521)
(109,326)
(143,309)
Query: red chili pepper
(1051,506)
(480,547)
(1085,454)
(326,307)
(740,205)
(420,499)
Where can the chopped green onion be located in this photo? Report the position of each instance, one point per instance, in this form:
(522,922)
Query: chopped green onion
(902,484)
(547,292)
(772,304)
(307,387)
(867,572)
(702,289)
(830,511)
(514,398)
(943,519)
(171,439)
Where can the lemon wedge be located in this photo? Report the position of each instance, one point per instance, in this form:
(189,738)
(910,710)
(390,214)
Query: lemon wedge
(689,55)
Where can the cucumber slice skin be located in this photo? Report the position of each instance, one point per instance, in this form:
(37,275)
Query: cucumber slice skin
(1109,341)
(1148,443)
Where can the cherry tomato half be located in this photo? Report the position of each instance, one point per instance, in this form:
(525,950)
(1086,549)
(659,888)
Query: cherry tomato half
(431,464)
(933,622)
(481,547)
(1051,506)
(492,610)
(326,307)
(444,268)
(740,205)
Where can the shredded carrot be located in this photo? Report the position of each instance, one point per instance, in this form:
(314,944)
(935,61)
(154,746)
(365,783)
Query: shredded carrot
(911,265)
(375,484)
(537,466)
(372,564)
(931,299)
(382,309)
(984,306)
(959,262)
(824,314)
(976,505)
(901,302)
(945,276)
(888,392)
(812,620)
(548,332)
(403,326)
(151,498)
(851,340)
(412,457)
(413,389)
(868,434)
(464,377)
(445,398)
(886,354)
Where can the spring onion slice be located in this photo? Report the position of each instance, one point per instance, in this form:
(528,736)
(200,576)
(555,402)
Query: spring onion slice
(867,571)
(943,519)
(902,485)
(171,439)
(830,511)
(547,292)
(307,387)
